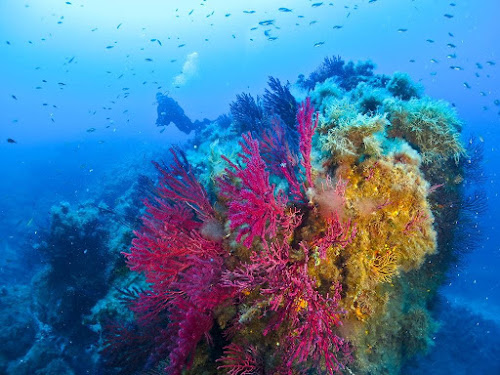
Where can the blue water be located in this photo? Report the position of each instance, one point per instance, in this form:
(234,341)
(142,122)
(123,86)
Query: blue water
(82,117)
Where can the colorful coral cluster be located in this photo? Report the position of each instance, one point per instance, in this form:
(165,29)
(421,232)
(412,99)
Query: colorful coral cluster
(301,259)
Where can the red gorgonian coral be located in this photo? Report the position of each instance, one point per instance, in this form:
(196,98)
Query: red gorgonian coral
(199,281)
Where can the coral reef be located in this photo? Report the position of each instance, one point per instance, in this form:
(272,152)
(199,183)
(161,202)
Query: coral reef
(285,239)
(319,237)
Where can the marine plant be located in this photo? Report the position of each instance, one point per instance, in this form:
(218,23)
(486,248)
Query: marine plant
(319,258)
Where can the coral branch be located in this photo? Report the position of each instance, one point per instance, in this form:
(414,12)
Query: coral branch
(254,210)
(306,130)
(180,184)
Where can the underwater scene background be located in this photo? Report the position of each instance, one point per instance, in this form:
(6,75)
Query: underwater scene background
(249,187)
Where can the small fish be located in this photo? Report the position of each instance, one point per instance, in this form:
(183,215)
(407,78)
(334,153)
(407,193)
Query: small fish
(434,61)
(477,74)
(94,29)
(490,63)
(117,27)
(452,56)
(452,4)
(253,28)
(451,45)
(433,73)
(61,83)
(285,10)
(67,2)
(267,33)
(312,23)
(336,27)
(266,23)
(181,45)
(91,130)
(318,44)
(148,59)
(272,38)
(71,60)
(429,40)
(451,34)
(482,93)
(371,1)
(497,102)
(158,41)
(412,60)
(14,97)
(7,42)
(315,5)
(402,30)
(191,12)
(162,130)
(479,65)
(485,108)
(249,11)
(466,85)
(172,61)
(10,140)
(447,15)
(109,47)
(455,67)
